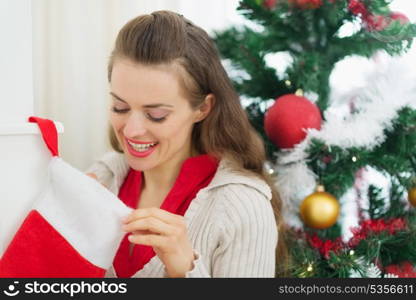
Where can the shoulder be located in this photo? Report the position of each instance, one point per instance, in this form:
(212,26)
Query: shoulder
(110,169)
(228,181)
(241,209)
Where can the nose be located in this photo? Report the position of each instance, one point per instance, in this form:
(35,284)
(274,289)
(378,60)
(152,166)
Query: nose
(134,127)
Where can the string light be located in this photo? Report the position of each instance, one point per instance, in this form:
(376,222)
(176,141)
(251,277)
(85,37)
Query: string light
(269,168)
(299,92)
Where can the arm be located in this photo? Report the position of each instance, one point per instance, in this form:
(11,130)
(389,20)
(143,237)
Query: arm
(249,235)
(109,170)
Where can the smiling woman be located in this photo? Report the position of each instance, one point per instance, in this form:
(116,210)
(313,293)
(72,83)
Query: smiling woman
(186,160)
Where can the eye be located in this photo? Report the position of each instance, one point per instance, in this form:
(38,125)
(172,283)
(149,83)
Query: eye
(157,115)
(119,111)
(155,119)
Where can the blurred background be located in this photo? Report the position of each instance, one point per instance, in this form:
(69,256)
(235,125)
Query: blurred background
(72,41)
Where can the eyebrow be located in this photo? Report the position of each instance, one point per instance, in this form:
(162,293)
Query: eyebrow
(147,105)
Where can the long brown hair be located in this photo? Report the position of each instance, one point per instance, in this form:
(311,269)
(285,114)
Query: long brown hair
(164,37)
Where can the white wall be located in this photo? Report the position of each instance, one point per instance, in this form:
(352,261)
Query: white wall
(16,84)
(351,72)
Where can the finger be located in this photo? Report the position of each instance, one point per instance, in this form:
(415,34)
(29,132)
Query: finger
(158,213)
(142,232)
(153,240)
(93,176)
(152,224)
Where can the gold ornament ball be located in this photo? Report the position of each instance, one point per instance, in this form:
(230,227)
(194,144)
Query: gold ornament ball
(412,196)
(319,210)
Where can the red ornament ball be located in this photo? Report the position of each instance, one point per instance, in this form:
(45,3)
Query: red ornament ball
(286,120)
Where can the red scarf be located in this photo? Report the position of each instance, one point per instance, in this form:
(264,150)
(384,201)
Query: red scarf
(195,174)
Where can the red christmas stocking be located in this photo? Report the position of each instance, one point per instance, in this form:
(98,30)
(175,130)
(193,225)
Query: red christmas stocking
(74,228)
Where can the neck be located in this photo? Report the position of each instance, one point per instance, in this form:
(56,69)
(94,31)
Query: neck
(163,177)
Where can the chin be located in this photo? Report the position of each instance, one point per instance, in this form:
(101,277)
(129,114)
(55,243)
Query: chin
(139,164)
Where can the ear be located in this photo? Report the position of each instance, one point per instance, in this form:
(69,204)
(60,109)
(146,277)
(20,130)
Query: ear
(205,108)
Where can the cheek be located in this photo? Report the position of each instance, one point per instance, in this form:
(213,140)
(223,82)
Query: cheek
(176,132)
(116,122)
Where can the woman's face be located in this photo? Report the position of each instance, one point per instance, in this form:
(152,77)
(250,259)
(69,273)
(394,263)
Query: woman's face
(150,115)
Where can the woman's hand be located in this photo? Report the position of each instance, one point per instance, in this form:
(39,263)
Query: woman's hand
(166,233)
(93,176)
